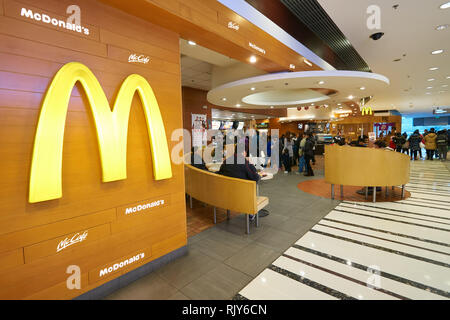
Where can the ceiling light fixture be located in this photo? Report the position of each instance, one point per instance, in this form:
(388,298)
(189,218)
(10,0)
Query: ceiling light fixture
(431,79)
(253,88)
(321,82)
(224,99)
(271,107)
(445,5)
(192,43)
(429,87)
(437,51)
(307,62)
(442,27)
(252,59)
(238,105)
(444,85)
(350,97)
(433,69)
(362,88)
(292,66)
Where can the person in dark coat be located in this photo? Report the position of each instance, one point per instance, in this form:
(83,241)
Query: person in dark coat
(442,143)
(196,159)
(414,144)
(399,141)
(237,166)
(309,154)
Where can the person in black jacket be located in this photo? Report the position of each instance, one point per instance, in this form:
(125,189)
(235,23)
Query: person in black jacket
(237,166)
(399,141)
(196,158)
(309,154)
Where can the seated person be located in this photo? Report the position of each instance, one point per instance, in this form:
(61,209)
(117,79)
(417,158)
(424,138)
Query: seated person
(196,158)
(237,166)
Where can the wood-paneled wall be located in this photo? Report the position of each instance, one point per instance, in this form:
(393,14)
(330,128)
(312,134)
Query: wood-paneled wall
(206,22)
(31,53)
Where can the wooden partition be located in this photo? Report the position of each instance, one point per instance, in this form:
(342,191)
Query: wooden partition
(94,225)
(355,166)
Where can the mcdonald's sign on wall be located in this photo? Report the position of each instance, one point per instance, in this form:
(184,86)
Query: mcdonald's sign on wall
(83,141)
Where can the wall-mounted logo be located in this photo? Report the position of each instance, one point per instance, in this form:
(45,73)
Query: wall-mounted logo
(28,13)
(254,46)
(134,58)
(366,110)
(144,206)
(78,237)
(232,25)
(111,127)
(120,265)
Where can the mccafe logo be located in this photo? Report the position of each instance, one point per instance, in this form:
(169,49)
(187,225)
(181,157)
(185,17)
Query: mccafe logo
(111,127)
(69,242)
(138,59)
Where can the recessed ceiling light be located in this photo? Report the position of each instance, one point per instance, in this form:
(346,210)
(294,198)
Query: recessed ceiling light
(321,82)
(431,79)
(224,99)
(252,59)
(433,69)
(350,97)
(292,66)
(445,5)
(192,43)
(448,77)
(442,27)
(428,93)
(429,87)
(271,107)
(339,104)
(307,62)
(437,51)
(362,88)
(238,105)
(253,88)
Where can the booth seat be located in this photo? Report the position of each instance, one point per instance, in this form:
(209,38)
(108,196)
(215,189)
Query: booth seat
(219,191)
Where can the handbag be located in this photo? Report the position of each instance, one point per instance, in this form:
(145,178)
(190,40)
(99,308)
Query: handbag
(422,146)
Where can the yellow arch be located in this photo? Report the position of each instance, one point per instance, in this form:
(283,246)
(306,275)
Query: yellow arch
(111,126)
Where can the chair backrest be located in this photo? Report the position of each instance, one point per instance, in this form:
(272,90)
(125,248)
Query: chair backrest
(355,166)
(220,191)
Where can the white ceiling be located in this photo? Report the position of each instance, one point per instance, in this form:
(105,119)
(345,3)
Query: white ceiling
(195,73)
(410,30)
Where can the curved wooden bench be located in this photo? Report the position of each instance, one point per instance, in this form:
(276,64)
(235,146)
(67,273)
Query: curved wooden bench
(354,166)
(219,191)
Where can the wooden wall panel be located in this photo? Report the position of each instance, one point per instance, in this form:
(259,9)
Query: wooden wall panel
(30,55)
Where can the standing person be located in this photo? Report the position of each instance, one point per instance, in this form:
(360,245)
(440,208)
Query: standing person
(414,144)
(405,146)
(296,147)
(399,141)
(430,144)
(287,161)
(289,144)
(309,154)
(301,153)
(441,143)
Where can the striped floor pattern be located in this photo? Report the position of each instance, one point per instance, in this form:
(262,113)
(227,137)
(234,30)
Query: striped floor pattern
(370,251)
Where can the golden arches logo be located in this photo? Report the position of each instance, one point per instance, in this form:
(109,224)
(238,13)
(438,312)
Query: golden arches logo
(366,110)
(111,126)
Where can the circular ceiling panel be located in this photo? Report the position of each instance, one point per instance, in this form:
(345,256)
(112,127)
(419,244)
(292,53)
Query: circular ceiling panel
(284,97)
(281,90)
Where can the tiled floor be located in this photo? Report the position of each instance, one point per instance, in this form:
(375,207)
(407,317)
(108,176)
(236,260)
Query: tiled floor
(223,259)
(390,250)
